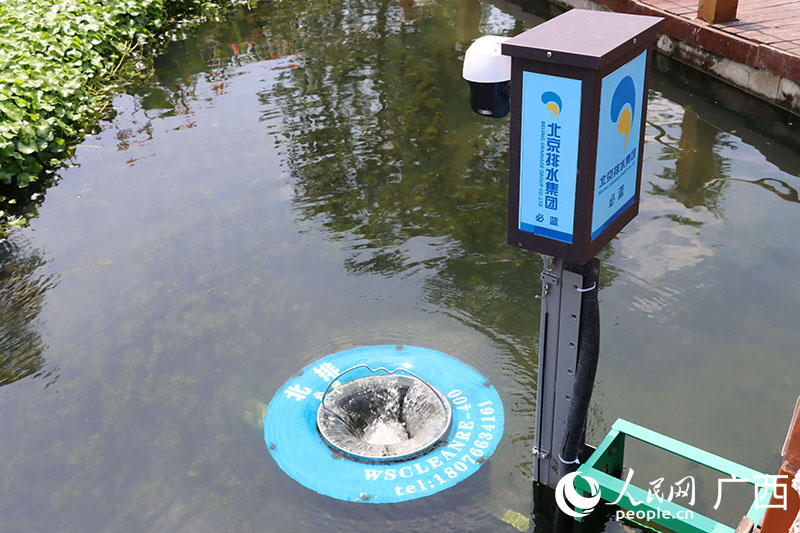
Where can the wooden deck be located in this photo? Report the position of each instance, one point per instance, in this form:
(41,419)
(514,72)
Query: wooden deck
(764,36)
(770,22)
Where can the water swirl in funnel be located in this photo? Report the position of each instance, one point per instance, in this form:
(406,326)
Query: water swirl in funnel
(382,417)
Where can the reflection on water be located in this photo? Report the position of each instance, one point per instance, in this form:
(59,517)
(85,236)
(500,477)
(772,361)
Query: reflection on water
(24,283)
(307,176)
(468,22)
(699,171)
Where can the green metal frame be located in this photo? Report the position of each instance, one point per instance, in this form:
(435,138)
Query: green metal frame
(605,464)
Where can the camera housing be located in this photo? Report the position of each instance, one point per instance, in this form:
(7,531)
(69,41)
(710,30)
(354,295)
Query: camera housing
(488,73)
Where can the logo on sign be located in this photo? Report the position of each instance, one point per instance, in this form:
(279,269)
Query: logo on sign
(552,159)
(622,104)
(549,138)
(553,102)
(569,500)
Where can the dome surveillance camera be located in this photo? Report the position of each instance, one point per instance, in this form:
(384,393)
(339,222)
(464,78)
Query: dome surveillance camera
(488,73)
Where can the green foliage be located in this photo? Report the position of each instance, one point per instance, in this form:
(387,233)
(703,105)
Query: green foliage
(55,58)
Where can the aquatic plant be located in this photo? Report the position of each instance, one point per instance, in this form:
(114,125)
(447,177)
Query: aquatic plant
(57,59)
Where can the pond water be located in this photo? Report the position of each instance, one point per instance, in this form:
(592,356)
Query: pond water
(306,177)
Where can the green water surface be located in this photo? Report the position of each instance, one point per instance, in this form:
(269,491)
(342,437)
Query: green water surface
(306,177)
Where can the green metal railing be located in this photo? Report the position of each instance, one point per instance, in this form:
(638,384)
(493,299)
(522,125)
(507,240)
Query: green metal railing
(606,463)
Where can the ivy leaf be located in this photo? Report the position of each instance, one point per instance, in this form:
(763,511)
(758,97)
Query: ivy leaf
(11,111)
(44,132)
(24,179)
(26,146)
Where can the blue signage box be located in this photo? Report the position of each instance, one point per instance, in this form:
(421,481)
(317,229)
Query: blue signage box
(578,104)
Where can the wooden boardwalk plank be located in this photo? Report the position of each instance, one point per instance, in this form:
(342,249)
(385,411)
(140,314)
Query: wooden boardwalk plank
(760,21)
(787,45)
(758,4)
(739,24)
(765,34)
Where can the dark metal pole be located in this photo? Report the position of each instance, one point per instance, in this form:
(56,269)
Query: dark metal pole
(568,355)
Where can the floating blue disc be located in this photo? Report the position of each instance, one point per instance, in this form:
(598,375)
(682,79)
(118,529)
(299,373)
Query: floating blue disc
(291,434)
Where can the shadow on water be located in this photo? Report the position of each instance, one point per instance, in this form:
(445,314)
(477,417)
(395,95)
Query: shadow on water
(24,283)
(23,204)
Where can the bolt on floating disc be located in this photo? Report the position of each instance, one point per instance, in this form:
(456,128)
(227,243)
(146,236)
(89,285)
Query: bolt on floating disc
(382,416)
(377,451)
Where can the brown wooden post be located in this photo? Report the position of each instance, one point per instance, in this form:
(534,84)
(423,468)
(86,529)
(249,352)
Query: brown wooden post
(782,511)
(714,11)
(745,526)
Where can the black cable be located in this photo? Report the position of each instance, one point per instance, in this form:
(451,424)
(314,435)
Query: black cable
(586,367)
